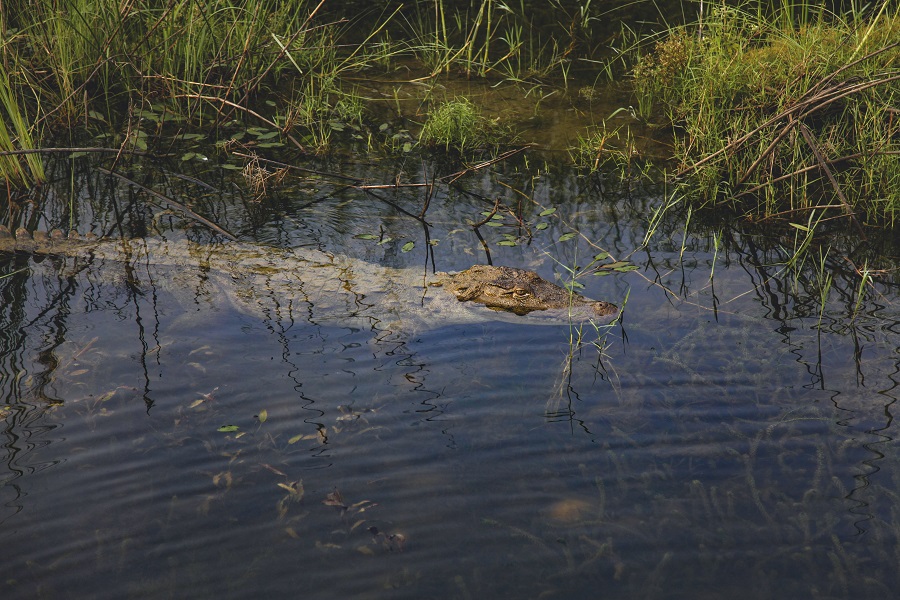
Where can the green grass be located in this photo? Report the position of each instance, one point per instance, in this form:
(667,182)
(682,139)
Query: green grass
(458,125)
(776,115)
(16,133)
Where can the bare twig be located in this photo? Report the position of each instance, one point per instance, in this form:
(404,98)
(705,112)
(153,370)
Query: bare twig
(454,176)
(71,150)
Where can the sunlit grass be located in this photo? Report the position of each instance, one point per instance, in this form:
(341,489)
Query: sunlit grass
(791,111)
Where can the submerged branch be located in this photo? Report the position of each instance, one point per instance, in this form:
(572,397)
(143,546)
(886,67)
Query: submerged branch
(175,204)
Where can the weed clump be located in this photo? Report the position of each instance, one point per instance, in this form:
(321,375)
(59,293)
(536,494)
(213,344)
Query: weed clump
(775,116)
(458,125)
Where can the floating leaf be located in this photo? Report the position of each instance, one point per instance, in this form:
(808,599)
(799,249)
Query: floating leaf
(542,226)
(263,415)
(601,256)
(407,147)
(506,243)
(188,156)
(408,246)
(617,265)
(107,396)
(494,224)
(567,236)
(366,236)
(549,211)
(197,402)
(386,240)
(227,428)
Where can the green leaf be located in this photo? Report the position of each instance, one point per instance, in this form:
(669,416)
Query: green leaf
(549,211)
(567,236)
(263,415)
(542,226)
(188,156)
(366,236)
(601,256)
(617,265)
(507,243)
(494,224)
(408,246)
(407,147)
(386,240)
(268,136)
(227,428)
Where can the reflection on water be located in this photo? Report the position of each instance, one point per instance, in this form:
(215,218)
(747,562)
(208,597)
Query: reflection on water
(160,444)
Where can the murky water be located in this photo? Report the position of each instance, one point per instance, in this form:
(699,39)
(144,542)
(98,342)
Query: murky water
(731,439)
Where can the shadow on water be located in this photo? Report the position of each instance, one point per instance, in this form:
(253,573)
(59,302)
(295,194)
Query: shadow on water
(732,435)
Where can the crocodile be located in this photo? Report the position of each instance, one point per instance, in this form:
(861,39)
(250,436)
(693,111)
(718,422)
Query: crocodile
(312,284)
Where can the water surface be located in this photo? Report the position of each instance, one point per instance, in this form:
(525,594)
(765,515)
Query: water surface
(733,437)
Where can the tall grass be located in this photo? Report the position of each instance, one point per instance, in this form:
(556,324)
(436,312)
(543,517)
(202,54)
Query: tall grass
(16,133)
(496,38)
(783,112)
(78,61)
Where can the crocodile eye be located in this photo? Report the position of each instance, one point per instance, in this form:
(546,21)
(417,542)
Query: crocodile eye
(520,293)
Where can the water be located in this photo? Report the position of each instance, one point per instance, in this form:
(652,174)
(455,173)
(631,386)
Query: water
(725,442)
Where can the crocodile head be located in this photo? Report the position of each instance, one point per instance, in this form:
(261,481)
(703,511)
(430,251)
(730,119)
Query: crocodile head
(520,291)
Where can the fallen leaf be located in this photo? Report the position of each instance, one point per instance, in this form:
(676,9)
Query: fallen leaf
(334,499)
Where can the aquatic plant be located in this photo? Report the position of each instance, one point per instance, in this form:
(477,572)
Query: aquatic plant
(458,125)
